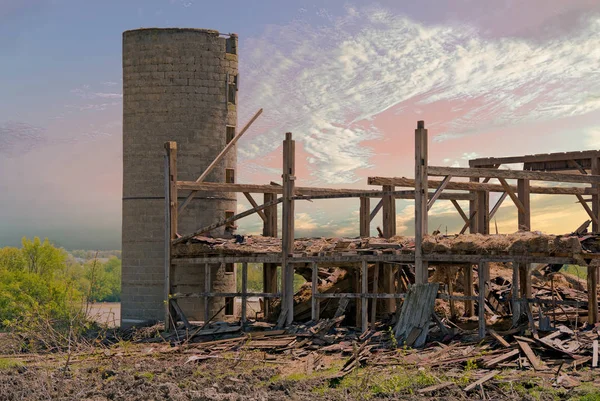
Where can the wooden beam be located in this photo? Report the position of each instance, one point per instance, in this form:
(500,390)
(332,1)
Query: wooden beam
(587,209)
(512,174)
(170,229)
(595,194)
(269,269)
(218,159)
(524,216)
(207,290)
(375,290)
(287,223)
(482,283)
(512,195)
(255,205)
(576,165)
(389,213)
(592,289)
(483,212)
(308,192)
(460,211)
(376,210)
(498,204)
(468,286)
(477,186)
(546,157)
(223,222)
(315,290)
(438,191)
(364,220)
(244,293)
(421,227)
(364,289)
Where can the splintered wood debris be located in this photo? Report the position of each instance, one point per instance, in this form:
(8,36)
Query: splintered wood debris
(521,243)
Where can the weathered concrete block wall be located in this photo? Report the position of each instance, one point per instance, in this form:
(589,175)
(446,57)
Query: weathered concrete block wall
(174,89)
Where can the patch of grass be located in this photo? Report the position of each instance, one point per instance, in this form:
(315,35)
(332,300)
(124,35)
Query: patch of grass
(147,375)
(576,271)
(364,384)
(9,363)
(587,392)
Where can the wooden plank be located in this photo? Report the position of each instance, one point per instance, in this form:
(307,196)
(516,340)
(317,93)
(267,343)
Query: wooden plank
(524,216)
(374,291)
(587,209)
(315,290)
(460,211)
(244,292)
(223,222)
(595,354)
(170,229)
(483,212)
(499,338)
(592,291)
(255,205)
(218,159)
(533,359)
(438,191)
(364,222)
(482,283)
(469,291)
(376,210)
(595,163)
(512,174)
(482,380)
(287,245)
(477,186)
(501,358)
(416,314)
(389,213)
(545,157)
(308,193)
(180,314)
(512,195)
(269,269)
(207,289)
(498,204)
(421,227)
(364,289)
(577,166)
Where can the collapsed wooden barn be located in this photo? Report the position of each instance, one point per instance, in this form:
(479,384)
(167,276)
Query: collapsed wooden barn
(375,264)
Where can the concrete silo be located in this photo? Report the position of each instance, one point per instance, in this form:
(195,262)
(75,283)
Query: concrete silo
(178,85)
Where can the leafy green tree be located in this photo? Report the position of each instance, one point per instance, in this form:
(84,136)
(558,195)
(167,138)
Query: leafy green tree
(12,259)
(42,257)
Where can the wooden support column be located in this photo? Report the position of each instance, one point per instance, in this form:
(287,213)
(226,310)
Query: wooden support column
(389,213)
(315,306)
(269,269)
(524,221)
(364,217)
(421,193)
(473,209)
(483,266)
(287,244)
(364,289)
(483,212)
(515,303)
(170,228)
(388,283)
(592,287)
(244,292)
(468,286)
(207,286)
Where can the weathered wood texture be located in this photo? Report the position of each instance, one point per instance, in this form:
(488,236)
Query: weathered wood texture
(287,223)
(413,323)
(269,269)
(543,157)
(421,226)
(170,227)
(512,174)
(389,213)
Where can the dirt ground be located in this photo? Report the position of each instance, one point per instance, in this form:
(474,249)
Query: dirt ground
(128,371)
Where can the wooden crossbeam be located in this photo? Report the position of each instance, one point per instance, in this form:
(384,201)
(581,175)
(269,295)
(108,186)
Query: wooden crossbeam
(223,222)
(573,163)
(512,174)
(438,191)
(478,186)
(255,205)
(512,195)
(376,210)
(587,209)
(460,211)
(498,204)
(219,157)
(308,193)
(468,223)
(546,157)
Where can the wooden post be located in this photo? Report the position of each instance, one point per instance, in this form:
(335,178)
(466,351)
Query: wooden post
(483,212)
(375,290)
(473,210)
(364,289)
(592,287)
(595,197)
(450,283)
(389,212)
(524,221)
(468,285)
(269,269)
(244,292)
(315,290)
(287,245)
(206,291)
(482,268)
(515,302)
(364,217)
(388,283)
(170,227)
(421,193)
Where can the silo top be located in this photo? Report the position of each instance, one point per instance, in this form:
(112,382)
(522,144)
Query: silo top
(142,31)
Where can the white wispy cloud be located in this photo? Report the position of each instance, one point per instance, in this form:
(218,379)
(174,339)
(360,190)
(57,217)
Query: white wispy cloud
(325,83)
(19,137)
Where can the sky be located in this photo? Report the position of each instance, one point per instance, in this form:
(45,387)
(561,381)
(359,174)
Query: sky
(348,79)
